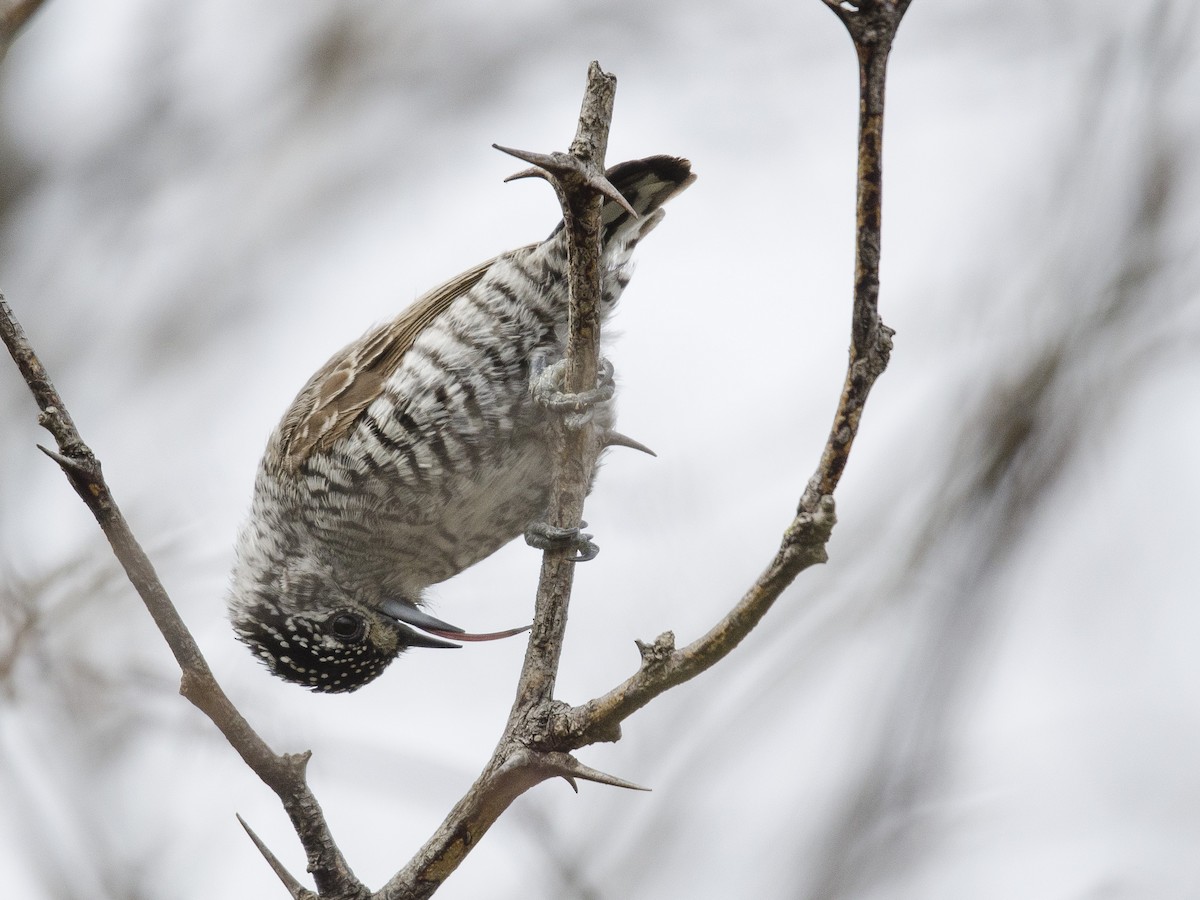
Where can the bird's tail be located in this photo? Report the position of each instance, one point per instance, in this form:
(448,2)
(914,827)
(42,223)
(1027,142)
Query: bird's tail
(646,184)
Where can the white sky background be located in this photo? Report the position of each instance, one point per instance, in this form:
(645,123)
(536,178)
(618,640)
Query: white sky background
(992,689)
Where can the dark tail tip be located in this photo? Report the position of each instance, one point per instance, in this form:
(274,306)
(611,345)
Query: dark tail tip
(646,184)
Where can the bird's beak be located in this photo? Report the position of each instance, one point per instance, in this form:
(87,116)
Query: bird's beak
(407,614)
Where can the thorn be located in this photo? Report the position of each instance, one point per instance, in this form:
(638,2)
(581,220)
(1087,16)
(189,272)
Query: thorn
(616,439)
(602,185)
(569,779)
(570,768)
(295,889)
(66,462)
(541,160)
(561,165)
(534,172)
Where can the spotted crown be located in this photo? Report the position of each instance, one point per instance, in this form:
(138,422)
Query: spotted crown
(328,654)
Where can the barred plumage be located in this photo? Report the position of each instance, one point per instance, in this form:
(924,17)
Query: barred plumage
(415,452)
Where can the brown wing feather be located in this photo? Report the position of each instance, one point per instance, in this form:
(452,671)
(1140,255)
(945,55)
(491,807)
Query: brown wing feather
(330,403)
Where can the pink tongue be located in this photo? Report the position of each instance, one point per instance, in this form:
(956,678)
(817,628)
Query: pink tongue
(463,636)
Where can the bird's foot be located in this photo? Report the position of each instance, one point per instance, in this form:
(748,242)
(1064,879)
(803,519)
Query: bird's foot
(543,536)
(547,384)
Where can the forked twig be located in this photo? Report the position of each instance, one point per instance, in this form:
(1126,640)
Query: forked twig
(541,731)
(872,25)
(539,728)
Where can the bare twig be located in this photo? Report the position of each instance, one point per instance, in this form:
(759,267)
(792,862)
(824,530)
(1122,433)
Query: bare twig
(663,667)
(290,883)
(284,774)
(579,180)
(872,25)
(541,731)
(520,759)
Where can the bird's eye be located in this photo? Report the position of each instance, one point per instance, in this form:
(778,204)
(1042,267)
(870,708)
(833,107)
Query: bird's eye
(348,627)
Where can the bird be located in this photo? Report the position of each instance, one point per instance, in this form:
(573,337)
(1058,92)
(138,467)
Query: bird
(416,451)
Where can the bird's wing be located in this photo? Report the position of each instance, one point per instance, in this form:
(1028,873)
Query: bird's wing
(330,403)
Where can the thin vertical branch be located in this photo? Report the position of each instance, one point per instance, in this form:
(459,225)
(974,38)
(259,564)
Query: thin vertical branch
(580,183)
(573,177)
(872,25)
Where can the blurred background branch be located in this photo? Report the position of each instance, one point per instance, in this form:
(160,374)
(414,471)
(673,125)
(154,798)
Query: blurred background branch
(13,16)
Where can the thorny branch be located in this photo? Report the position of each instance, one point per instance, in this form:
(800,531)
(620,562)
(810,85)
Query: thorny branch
(283,774)
(541,731)
(522,758)
(872,25)
(578,179)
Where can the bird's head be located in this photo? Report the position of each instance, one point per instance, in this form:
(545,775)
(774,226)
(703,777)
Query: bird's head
(309,629)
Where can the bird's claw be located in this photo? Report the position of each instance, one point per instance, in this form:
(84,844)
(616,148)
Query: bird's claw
(543,536)
(547,385)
